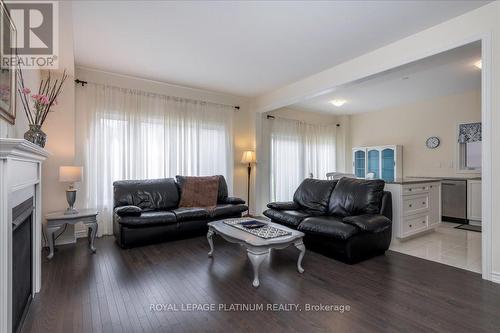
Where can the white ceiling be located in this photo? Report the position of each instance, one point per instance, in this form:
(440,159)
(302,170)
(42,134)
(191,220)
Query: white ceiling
(243,47)
(440,75)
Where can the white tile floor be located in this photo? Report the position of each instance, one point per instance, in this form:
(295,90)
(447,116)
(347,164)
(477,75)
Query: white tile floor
(447,245)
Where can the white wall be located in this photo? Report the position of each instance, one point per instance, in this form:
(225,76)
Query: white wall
(483,22)
(60,125)
(31,79)
(411,125)
(304,116)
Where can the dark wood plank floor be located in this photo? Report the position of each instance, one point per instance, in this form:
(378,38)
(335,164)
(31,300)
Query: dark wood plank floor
(112,291)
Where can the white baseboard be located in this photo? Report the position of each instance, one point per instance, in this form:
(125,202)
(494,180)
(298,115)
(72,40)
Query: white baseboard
(495,277)
(82,233)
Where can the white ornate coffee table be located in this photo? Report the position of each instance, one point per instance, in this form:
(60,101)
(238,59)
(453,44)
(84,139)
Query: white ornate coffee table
(257,248)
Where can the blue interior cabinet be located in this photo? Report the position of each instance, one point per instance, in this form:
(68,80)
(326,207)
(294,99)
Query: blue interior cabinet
(381,162)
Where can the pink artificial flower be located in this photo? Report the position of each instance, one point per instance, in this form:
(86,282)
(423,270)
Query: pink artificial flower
(26,91)
(44,100)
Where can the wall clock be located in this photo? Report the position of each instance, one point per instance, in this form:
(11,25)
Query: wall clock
(432,142)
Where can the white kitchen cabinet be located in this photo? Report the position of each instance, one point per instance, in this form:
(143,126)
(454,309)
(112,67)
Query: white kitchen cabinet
(474,200)
(416,206)
(385,162)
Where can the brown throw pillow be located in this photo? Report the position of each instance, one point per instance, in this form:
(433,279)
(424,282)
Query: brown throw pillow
(199,192)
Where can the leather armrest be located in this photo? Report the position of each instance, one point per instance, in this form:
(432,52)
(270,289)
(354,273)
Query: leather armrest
(234,201)
(369,222)
(128,211)
(289,205)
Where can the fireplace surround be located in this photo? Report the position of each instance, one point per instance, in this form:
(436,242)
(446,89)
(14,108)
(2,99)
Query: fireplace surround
(21,211)
(22,261)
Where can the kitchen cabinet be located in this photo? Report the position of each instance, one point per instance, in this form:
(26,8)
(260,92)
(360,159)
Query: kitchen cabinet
(385,162)
(474,201)
(416,206)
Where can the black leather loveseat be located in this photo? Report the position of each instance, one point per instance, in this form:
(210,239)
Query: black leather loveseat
(146,211)
(347,219)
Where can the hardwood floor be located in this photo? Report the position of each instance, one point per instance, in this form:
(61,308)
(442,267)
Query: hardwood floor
(112,291)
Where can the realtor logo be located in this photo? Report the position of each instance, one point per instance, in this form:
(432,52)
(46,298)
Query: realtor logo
(31,33)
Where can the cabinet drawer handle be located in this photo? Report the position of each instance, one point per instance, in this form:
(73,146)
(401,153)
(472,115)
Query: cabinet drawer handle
(409,205)
(423,203)
(423,188)
(409,189)
(410,225)
(423,222)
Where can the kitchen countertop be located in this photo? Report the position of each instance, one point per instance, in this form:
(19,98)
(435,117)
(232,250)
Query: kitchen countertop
(404,181)
(449,178)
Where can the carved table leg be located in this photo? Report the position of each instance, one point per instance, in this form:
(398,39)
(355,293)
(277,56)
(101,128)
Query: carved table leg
(210,235)
(256,259)
(50,231)
(299,245)
(93,232)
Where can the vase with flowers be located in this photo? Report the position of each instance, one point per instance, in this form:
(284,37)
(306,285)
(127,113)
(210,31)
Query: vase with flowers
(37,105)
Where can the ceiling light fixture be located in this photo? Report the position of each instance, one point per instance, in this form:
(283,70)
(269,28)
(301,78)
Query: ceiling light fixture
(478,64)
(338,102)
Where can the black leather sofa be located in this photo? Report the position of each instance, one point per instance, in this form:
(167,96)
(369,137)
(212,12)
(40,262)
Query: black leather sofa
(158,217)
(347,219)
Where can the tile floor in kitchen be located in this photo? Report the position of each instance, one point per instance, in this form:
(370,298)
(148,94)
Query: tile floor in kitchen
(447,245)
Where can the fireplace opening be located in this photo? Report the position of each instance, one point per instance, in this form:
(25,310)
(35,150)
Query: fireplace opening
(22,261)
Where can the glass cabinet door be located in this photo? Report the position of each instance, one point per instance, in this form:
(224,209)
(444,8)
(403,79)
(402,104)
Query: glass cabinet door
(359,163)
(374,162)
(388,164)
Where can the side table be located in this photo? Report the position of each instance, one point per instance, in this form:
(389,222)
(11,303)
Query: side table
(57,220)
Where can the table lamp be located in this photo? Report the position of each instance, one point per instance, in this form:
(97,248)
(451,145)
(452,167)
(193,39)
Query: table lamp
(71,175)
(248,157)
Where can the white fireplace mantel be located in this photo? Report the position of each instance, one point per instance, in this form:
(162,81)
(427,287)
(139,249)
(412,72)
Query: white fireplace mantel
(20,179)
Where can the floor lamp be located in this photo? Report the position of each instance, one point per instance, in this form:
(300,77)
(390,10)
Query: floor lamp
(248,158)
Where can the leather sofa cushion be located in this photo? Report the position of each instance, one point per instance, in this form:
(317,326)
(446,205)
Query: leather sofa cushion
(233,201)
(191,213)
(386,205)
(222,192)
(148,218)
(314,194)
(287,205)
(353,196)
(128,211)
(291,218)
(227,210)
(148,194)
(328,226)
(369,222)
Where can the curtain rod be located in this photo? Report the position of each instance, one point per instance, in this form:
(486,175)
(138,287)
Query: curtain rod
(236,107)
(273,117)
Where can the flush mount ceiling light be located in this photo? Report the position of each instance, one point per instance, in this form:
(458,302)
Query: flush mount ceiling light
(478,64)
(338,102)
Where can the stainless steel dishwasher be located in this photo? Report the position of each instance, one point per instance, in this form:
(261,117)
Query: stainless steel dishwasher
(454,200)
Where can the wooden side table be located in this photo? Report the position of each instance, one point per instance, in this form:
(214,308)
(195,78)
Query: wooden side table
(57,220)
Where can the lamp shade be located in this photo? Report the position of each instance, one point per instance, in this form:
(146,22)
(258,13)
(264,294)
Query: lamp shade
(70,174)
(248,157)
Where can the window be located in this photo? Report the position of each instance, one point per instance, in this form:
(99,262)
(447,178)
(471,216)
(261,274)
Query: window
(132,134)
(469,147)
(298,151)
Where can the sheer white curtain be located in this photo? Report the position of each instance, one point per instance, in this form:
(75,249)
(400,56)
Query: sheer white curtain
(130,134)
(298,150)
